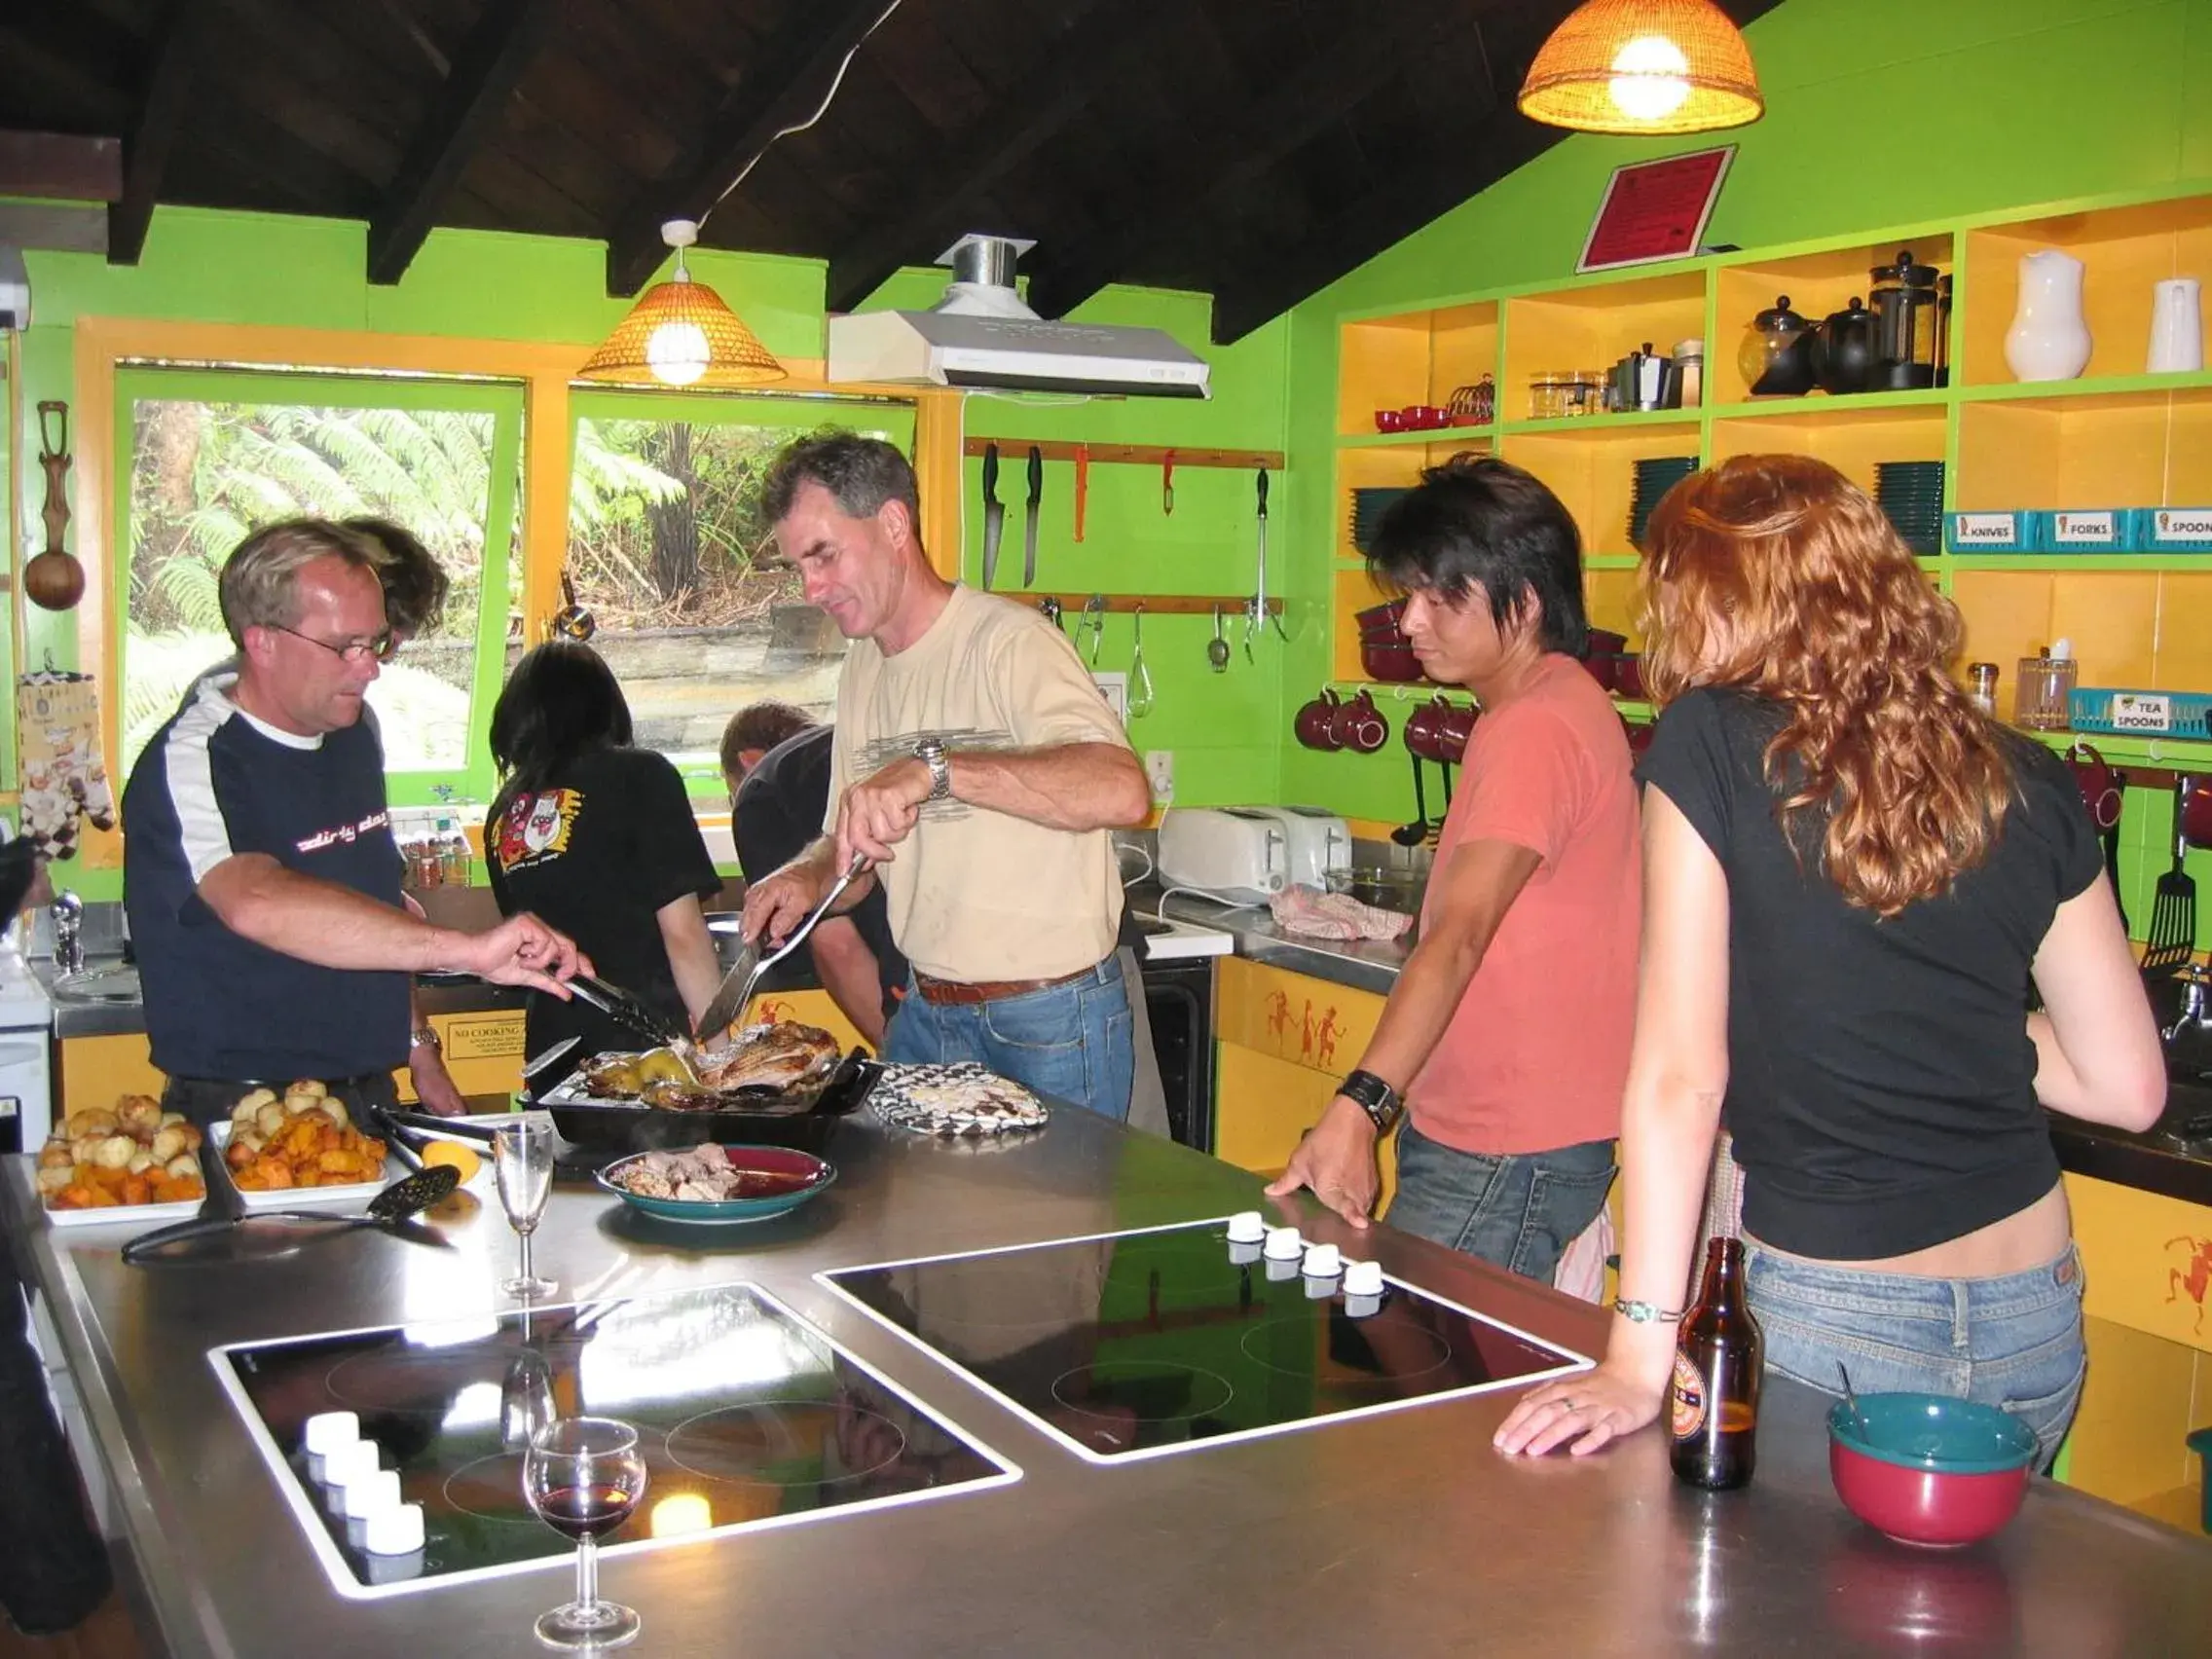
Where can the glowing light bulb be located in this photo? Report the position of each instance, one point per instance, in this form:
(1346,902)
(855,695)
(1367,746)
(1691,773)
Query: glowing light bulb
(678,352)
(1648,77)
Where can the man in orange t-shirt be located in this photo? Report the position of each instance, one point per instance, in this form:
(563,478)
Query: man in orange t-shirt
(1506,1041)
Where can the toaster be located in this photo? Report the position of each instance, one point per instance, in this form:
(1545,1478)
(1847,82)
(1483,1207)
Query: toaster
(1320,841)
(1238,853)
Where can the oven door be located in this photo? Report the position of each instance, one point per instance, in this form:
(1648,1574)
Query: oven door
(1178,999)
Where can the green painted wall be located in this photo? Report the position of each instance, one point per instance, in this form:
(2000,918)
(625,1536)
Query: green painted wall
(1880,112)
(216,267)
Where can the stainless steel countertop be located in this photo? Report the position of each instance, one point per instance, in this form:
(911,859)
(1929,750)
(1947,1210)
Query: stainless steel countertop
(75,1016)
(1398,1534)
(1368,965)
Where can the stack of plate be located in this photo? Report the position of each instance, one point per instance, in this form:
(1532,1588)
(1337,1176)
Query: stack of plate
(1653,479)
(1911,493)
(1367,509)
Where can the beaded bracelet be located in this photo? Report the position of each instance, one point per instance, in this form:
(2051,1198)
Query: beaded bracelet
(1646,1312)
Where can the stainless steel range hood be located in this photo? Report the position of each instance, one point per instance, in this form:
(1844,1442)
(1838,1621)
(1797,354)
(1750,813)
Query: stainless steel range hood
(981,335)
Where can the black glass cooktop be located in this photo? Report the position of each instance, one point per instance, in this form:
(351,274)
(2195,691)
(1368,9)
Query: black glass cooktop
(1136,1345)
(749,1417)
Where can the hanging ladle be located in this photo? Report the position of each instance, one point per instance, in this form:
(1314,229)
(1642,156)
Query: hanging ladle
(1414,834)
(1217,647)
(1140,677)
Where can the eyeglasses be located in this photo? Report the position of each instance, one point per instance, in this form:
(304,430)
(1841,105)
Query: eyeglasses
(382,646)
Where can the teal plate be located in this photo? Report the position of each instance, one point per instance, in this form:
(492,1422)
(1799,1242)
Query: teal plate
(792,1176)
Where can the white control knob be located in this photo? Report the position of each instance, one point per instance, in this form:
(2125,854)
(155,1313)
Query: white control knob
(1285,1244)
(1322,1262)
(332,1431)
(351,1463)
(1247,1226)
(1243,1255)
(395,1531)
(372,1495)
(1281,1268)
(1360,1307)
(1318,1289)
(1363,1278)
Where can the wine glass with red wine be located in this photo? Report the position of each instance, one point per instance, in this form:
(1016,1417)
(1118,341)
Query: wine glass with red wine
(583,1476)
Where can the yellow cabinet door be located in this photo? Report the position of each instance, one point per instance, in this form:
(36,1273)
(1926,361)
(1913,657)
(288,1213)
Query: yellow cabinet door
(1263,1105)
(1293,1016)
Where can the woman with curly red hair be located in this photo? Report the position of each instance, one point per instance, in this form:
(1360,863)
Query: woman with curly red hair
(1850,878)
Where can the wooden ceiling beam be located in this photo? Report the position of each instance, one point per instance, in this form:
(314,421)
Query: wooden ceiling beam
(1109,42)
(1161,217)
(484,74)
(60,165)
(794,73)
(175,59)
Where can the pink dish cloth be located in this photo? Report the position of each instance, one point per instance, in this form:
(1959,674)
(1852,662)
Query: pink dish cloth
(1312,913)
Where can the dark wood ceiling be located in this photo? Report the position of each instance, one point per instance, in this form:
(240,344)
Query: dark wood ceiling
(1255,150)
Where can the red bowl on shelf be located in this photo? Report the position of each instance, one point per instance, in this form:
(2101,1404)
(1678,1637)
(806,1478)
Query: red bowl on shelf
(1926,1469)
(1391,663)
(1389,420)
(1378,624)
(1628,673)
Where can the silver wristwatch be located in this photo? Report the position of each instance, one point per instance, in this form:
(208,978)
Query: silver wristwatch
(929,750)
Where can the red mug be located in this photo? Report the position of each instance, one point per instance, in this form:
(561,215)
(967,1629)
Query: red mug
(1313,721)
(1458,727)
(2102,789)
(1365,729)
(1423,731)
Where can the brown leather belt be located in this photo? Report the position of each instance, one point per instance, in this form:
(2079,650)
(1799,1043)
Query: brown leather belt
(941,992)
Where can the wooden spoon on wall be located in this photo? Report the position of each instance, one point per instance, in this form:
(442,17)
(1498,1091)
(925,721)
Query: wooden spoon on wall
(55,580)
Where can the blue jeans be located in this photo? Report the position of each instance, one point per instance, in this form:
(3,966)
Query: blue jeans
(2014,1340)
(1068,1042)
(1520,1210)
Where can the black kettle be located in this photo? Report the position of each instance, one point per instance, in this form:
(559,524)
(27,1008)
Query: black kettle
(1847,351)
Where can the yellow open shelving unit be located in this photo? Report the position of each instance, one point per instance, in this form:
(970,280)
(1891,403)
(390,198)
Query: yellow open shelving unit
(2114,438)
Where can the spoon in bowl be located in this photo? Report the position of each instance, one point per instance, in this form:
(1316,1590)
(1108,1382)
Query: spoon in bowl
(1850,1399)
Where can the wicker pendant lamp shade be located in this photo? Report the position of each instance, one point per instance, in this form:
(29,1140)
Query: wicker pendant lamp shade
(679,333)
(1644,66)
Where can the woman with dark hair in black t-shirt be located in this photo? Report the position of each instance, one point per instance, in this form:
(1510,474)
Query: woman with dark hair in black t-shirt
(599,834)
(1851,877)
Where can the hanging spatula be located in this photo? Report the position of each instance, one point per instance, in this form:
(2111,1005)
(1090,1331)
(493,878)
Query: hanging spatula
(2173,902)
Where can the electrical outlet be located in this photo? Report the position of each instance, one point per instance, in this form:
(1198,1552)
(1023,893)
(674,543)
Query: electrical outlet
(1160,767)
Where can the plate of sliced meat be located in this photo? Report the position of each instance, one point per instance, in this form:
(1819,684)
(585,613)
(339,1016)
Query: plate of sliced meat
(713,1185)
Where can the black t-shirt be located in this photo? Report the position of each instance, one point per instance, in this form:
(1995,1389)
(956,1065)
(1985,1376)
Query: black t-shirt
(780,809)
(212,783)
(598,853)
(1881,1082)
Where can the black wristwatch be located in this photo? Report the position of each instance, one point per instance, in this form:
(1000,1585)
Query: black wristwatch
(929,751)
(1378,1099)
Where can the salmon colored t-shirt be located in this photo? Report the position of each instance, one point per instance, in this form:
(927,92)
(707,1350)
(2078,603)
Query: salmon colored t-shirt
(1537,1053)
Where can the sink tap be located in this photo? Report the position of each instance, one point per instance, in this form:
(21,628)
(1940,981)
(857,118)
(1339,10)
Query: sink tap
(2195,1013)
(68,914)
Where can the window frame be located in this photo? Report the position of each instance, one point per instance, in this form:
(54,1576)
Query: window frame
(101,347)
(796,412)
(474,779)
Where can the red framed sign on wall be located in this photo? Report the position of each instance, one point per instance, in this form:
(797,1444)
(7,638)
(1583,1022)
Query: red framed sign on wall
(1656,210)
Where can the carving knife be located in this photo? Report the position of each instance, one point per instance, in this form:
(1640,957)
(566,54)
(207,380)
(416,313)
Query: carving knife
(994,515)
(1029,530)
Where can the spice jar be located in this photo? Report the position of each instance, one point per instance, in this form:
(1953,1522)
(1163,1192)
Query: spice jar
(1981,686)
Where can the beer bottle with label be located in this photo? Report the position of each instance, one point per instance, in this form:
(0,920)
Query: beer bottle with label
(1715,1394)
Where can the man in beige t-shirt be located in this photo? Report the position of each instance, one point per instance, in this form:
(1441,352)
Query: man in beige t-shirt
(979,769)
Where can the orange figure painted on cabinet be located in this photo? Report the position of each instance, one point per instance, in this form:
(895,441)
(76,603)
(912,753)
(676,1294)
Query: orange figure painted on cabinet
(1306,1032)
(2195,1279)
(1330,1032)
(1278,1013)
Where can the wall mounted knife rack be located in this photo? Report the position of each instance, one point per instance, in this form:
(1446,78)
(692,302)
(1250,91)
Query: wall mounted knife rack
(1133,454)
(1152,604)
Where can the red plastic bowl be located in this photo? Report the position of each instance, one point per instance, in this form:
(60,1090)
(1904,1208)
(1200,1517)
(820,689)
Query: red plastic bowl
(1929,1470)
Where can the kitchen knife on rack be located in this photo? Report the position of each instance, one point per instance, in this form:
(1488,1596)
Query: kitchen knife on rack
(994,515)
(1029,530)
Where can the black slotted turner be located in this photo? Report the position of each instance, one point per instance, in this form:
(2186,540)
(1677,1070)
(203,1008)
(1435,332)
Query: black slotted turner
(2172,935)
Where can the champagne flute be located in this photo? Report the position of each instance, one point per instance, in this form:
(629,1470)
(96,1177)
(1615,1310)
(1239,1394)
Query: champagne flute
(522,1164)
(582,1476)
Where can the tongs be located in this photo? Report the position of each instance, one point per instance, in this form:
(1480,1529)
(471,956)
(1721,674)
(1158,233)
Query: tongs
(737,986)
(628,1010)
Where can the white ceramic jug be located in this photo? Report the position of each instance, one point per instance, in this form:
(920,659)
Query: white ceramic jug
(2048,339)
(2177,329)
